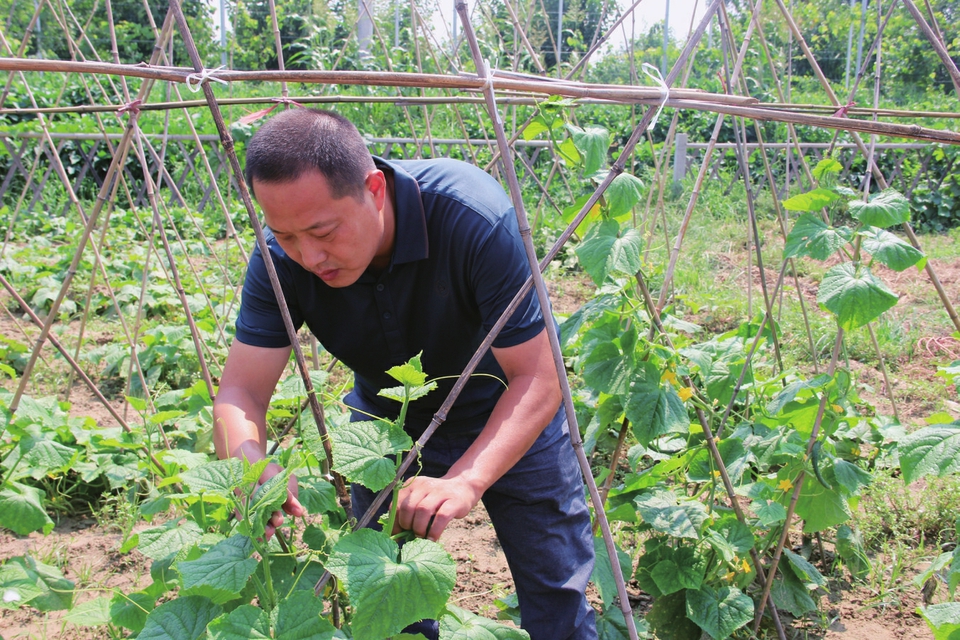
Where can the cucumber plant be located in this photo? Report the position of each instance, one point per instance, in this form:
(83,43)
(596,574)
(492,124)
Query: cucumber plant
(214,575)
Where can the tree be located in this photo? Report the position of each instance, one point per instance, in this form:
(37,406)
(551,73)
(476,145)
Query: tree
(134,35)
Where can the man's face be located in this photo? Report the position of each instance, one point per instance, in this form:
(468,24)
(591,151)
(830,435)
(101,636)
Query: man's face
(336,239)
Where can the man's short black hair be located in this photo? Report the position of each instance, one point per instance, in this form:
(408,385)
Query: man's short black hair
(299,140)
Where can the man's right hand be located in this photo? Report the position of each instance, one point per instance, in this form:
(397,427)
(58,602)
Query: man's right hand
(291,506)
(239,415)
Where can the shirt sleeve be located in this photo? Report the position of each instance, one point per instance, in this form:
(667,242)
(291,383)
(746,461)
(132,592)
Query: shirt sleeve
(259,322)
(500,270)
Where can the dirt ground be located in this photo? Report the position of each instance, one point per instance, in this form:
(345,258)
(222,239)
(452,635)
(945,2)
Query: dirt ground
(87,550)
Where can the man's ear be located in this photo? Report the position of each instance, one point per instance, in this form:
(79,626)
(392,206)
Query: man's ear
(376,184)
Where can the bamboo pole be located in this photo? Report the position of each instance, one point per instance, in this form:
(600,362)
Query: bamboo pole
(174,271)
(695,196)
(552,334)
(228,146)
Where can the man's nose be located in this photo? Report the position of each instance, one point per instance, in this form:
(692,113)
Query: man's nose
(313,253)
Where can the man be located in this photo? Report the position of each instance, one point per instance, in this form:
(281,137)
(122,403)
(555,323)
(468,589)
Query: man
(383,261)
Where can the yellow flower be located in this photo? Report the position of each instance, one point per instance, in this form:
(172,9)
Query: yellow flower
(686,393)
(716,474)
(837,408)
(785,485)
(745,565)
(668,376)
(855,451)
(730,576)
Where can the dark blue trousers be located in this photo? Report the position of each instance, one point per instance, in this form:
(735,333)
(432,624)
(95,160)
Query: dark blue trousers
(542,522)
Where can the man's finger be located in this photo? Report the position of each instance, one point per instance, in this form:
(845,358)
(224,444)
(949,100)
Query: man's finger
(293,507)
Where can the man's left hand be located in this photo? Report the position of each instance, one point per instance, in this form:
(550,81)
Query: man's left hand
(427,505)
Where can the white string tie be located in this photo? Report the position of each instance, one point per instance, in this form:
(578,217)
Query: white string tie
(196,80)
(664,90)
(488,86)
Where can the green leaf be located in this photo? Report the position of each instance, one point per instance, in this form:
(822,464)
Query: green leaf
(805,571)
(293,388)
(91,613)
(854,295)
(654,409)
(850,547)
(930,451)
(535,128)
(682,570)
(655,550)
(623,194)
(943,620)
(317,495)
(889,249)
(410,373)
(407,393)
(45,456)
(457,624)
(219,476)
(608,370)
(825,167)
(605,250)
(246,622)
(360,450)
(820,508)
(733,454)
(788,593)
(668,618)
(298,618)
(130,610)
(183,458)
(17,586)
(886,209)
(222,572)
(811,200)
(719,612)
(389,595)
(592,143)
(160,542)
(678,517)
(738,535)
(625,253)
(271,495)
(46,587)
(811,236)
(184,618)
(22,511)
(568,152)
(602,575)
(850,477)
(769,512)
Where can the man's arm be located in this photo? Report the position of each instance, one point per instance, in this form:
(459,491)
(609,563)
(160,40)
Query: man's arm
(240,413)
(520,415)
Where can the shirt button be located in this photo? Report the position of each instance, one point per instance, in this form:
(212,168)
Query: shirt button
(386,315)
(380,287)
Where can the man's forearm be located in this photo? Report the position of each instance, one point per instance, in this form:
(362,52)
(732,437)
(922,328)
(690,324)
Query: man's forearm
(518,419)
(239,429)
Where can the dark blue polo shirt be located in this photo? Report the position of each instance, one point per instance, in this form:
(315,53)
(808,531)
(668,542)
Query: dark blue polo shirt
(457,262)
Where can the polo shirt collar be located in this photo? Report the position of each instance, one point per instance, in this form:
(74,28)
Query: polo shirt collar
(410,243)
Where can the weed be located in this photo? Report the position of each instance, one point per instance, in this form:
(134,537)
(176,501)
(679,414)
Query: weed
(915,516)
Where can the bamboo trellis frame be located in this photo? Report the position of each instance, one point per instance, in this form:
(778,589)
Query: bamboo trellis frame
(494,90)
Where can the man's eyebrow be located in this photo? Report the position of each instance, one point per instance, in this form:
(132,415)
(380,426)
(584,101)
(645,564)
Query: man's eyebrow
(319,225)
